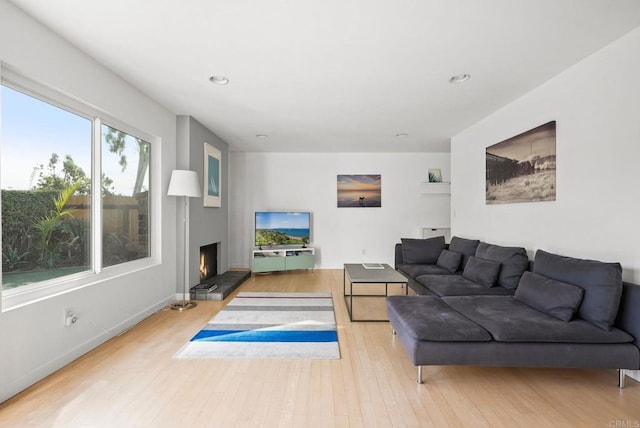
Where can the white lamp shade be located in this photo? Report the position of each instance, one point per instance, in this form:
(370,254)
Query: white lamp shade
(184,183)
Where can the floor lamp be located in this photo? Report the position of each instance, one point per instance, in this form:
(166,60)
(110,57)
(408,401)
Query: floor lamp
(184,183)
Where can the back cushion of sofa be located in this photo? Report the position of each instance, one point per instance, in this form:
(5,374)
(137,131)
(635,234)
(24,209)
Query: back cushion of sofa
(513,260)
(602,284)
(464,246)
(422,251)
(554,298)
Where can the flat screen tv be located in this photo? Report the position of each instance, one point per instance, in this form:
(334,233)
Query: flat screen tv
(282,228)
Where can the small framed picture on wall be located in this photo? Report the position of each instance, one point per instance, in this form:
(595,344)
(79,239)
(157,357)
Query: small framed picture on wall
(435,175)
(359,191)
(212,185)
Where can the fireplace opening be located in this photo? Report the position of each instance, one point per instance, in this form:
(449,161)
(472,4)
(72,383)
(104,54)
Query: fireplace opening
(208,262)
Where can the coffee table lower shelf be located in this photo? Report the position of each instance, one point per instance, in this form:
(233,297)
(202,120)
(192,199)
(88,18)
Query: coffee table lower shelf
(358,274)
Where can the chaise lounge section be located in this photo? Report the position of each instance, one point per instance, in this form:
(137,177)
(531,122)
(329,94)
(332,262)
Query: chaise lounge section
(565,313)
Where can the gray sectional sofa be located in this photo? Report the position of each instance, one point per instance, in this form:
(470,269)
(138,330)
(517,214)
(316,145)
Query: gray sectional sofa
(487,305)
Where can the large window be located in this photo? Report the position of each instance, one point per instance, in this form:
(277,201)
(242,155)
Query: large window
(53,158)
(125,197)
(46,187)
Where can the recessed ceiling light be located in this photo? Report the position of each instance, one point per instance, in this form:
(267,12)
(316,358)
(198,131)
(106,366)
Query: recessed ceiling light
(219,80)
(460,78)
(261,136)
(401,135)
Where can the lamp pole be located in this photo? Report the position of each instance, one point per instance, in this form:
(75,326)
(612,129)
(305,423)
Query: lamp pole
(184,183)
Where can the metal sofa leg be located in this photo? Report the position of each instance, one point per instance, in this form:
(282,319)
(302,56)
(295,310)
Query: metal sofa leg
(419,375)
(621,378)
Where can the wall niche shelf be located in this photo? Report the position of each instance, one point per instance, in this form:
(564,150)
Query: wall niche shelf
(427,188)
(436,201)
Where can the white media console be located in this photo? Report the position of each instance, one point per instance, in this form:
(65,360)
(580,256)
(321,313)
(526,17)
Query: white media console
(278,259)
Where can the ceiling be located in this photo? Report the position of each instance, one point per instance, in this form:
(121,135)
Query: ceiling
(337,75)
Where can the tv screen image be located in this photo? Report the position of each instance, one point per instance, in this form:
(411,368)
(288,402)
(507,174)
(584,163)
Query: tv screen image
(282,228)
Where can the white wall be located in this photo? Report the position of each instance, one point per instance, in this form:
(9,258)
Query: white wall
(596,105)
(597,108)
(307,181)
(33,339)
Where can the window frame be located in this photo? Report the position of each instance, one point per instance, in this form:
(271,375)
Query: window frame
(95,274)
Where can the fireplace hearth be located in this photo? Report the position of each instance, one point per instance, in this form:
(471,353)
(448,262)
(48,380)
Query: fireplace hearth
(222,284)
(214,286)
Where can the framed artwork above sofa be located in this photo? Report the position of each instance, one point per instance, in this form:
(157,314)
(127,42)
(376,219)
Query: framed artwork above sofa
(523,168)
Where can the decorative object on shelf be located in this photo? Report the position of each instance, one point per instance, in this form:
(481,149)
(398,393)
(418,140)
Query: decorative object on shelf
(523,168)
(212,166)
(435,175)
(360,191)
(184,183)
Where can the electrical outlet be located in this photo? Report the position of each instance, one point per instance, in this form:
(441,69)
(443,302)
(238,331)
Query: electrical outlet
(69,318)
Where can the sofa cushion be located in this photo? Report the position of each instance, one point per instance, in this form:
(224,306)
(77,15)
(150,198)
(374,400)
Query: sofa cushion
(429,318)
(449,260)
(514,262)
(484,272)
(555,298)
(457,285)
(602,284)
(509,320)
(464,246)
(422,251)
(415,271)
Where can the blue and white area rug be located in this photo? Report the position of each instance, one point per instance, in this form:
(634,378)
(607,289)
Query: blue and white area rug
(269,325)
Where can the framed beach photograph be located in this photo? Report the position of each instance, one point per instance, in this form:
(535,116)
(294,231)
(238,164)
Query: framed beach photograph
(360,191)
(212,186)
(523,168)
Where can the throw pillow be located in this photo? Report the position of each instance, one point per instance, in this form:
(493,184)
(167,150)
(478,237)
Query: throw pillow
(464,246)
(557,299)
(602,284)
(449,260)
(422,251)
(484,272)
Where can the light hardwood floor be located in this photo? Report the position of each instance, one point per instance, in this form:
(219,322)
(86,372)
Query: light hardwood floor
(133,381)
